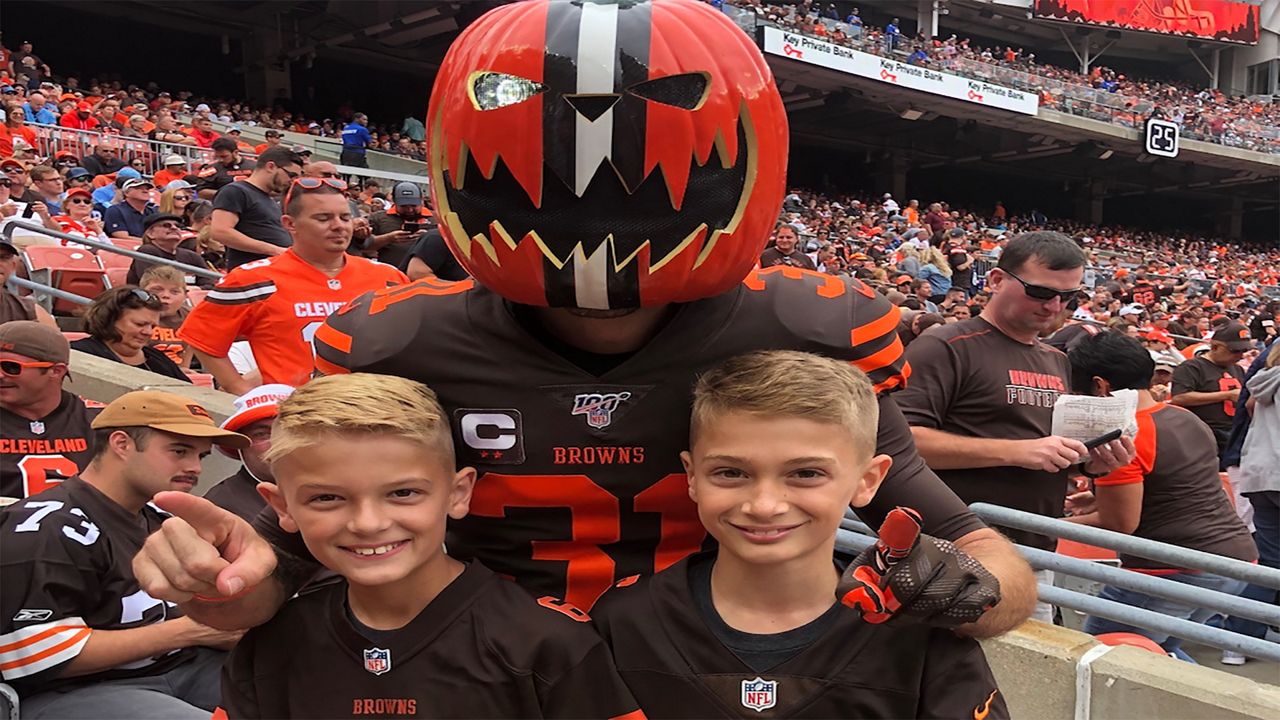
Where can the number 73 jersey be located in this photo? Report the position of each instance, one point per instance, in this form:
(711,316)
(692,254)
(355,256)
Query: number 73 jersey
(66,568)
(580,481)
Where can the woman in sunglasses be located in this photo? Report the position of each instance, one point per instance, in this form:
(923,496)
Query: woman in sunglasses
(77,217)
(120,323)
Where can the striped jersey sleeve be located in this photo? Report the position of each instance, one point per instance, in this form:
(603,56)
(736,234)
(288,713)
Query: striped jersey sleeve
(49,585)
(227,310)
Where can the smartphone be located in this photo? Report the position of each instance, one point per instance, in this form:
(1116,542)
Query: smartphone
(413,227)
(1103,439)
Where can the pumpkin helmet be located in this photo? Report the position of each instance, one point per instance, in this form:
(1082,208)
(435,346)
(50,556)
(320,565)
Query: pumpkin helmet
(606,155)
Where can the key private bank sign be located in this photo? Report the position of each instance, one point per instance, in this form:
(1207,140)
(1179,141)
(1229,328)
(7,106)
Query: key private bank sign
(847,60)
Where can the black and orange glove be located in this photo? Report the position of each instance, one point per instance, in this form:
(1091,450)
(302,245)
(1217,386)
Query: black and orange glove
(916,577)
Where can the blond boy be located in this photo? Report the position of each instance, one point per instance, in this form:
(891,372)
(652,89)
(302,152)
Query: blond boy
(782,444)
(364,466)
(169,285)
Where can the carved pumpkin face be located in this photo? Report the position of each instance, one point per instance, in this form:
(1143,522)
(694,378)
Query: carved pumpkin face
(606,155)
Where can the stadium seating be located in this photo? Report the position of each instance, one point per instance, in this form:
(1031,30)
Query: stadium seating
(71,270)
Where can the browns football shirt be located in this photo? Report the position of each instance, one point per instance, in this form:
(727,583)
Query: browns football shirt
(37,454)
(580,481)
(66,556)
(1183,500)
(483,648)
(1200,374)
(164,337)
(277,304)
(973,380)
(239,494)
(677,667)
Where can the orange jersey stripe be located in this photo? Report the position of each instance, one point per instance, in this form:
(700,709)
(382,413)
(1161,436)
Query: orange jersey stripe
(54,650)
(328,368)
(334,338)
(882,358)
(882,325)
(38,637)
(636,714)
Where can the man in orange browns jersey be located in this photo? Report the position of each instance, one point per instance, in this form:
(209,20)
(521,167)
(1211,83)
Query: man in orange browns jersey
(278,303)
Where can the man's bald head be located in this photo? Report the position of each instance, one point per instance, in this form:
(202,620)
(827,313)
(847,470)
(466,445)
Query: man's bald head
(320,169)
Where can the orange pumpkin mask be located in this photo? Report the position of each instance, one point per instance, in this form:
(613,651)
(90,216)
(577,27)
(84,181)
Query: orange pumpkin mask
(606,155)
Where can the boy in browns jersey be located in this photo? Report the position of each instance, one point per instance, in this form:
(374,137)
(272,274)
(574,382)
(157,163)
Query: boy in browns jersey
(278,303)
(78,637)
(753,629)
(46,437)
(365,473)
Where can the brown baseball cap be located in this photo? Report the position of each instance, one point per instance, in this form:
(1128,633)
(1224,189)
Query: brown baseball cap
(167,412)
(38,342)
(1235,336)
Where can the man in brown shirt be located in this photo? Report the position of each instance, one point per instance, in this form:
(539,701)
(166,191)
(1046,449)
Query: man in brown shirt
(1209,384)
(1173,479)
(980,400)
(12,306)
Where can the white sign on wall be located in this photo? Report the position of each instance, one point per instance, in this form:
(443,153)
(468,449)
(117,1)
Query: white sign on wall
(935,82)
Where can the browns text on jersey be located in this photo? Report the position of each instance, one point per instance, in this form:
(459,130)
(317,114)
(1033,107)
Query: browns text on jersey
(564,526)
(37,454)
(67,568)
(483,648)
(678,667)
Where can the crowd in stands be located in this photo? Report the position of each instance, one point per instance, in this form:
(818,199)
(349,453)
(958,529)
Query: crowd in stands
(1104,93)
(150,112)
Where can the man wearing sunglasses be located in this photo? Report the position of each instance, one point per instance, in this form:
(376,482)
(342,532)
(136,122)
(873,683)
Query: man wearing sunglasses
(980,400)
(246,216)
(47,437)
(162,235)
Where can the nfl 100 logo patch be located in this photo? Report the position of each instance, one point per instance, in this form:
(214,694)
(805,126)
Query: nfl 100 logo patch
(377,660)
(759,694)
(598,407)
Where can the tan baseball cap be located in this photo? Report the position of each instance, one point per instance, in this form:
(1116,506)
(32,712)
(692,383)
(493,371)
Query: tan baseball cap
(168,412)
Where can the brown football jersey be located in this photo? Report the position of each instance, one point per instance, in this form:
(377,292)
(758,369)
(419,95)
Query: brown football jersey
(239,494)
(37,454)
(580,481)
(676,667)
(66,558)
(973,380)
(1200,374)
(1178,468)
(483,648)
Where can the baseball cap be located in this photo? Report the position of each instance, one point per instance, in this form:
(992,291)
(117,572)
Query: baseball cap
(127,173)
(137,182)
(178,185)
(202,107)
(79,191)
(166,412)
(7,162)
(174,160)
(150,220)
(34,340)
(78,172)
(301,150)
(1158,335)
(1235,336)
(903,279)
(271,133)
(406,193)
(1132,309)
(260,403)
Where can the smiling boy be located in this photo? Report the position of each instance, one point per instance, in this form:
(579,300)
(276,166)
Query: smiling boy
(364,469)
(754,626)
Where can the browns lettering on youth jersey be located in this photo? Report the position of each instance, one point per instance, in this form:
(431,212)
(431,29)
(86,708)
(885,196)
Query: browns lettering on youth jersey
(277,304)
(38,454)
(973,380)
(164,337)
(677,667)
(67,568)
(1183,502)
(580,481)
(239,494)
(483,648)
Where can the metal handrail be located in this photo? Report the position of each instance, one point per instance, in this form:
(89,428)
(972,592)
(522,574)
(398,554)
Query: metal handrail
(1178,557)
(197,271)
(45,289)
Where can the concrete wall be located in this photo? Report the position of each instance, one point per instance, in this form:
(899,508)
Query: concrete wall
(1036,667)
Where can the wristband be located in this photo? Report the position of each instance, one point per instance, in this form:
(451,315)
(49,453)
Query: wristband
(1092,476)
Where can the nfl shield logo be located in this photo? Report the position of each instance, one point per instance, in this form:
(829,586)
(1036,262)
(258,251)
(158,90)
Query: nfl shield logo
(37,427)
(377,660)
(335,284)
(759,694)
(598,407)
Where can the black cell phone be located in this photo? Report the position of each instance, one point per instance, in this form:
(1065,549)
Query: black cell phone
(1103,439)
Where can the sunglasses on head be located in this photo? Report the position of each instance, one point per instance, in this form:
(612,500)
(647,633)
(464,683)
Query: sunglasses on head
(1042,293)
(143,296)
(308,184)
(14,368)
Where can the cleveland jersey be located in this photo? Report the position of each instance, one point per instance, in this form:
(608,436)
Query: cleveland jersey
(677,667)
(481,649)
(37,454)
(277,304)
(580,481)
(66,558)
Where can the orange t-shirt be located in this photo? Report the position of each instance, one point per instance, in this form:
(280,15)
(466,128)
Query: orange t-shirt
(277,304)
(164,177)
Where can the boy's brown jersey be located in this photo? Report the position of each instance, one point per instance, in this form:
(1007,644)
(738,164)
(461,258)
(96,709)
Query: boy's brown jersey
(677,667)
(483,648)
(580,481)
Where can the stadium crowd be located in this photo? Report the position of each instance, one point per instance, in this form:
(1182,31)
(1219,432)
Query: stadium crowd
(1103,94)
(292,253)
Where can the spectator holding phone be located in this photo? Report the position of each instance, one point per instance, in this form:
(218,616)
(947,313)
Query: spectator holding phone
(395,229)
